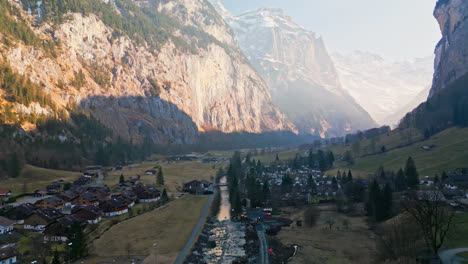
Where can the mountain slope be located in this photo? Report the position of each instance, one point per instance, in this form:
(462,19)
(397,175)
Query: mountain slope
(451,61)
(161,70)
(386,89)
(296,66)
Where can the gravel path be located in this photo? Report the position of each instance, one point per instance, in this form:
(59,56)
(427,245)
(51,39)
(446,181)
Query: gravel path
(448,256)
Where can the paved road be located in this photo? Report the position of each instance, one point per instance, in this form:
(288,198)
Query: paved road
(196,230)
(447,256)
(100,177)
(263,254)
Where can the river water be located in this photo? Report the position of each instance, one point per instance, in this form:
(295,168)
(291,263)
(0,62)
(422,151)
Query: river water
(225,206)
(228,235)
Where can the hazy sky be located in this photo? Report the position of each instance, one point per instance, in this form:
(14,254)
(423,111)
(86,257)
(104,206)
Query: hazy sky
(395,29)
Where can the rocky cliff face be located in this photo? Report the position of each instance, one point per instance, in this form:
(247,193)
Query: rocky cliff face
(302,78)
(167,94)
(451,53)
(386,89)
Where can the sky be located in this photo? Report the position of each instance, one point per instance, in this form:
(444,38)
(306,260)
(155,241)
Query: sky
(394,29)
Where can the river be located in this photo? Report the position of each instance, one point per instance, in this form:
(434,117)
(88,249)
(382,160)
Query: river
(228,235)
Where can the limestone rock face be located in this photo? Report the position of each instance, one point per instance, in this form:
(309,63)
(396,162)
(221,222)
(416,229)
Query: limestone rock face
(210,87)
(301,75)
(451,60)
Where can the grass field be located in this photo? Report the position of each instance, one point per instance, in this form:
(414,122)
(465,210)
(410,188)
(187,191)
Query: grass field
(458,237)
(393,139)
(175,174)
(34,178)
(169,228)
(450,151)
(319,244)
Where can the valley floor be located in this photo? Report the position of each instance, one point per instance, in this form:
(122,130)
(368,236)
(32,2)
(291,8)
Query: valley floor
(320,244)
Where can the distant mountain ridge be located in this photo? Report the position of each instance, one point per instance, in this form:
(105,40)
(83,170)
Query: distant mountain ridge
(386,89)
(295,64)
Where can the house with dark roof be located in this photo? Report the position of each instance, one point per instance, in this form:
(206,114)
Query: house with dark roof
(53,188)
(56,231)
(41,218)
(86,199)
(19,213)
(147,194)
(39,193)
(90,214)
(51,202)
(6,225)
(113,207)
(460,180)
(196,186)
(8,255)
(68,197)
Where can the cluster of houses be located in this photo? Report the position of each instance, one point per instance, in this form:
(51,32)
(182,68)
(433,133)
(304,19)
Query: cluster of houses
(83,203)
(302,188)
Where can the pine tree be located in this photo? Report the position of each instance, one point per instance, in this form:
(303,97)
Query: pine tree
(334,183)
(77,241)
(160,177)
(331,158)
(321,160)
(350,176)
(444,176)
(311,159)
(436,179)
(266,189)
(400,181)
(164,196)
(411,173)
(277,157)
(374,206)
(387,198)
(122,179)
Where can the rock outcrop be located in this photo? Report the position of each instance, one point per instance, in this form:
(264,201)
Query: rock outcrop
(295,64)
(168,94)
(451,52)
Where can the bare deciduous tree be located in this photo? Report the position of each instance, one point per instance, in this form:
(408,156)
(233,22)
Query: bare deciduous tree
(432,215)
(399,238)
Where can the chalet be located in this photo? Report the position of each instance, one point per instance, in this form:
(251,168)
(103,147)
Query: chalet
(86,199)
(6,225)
(135,178)
(51,202)
(150,172)
(5,193)
(459,179)
(196,186)
(89,214)
(101,193)
(39,193)
(113,207)
(68,197)
(8,255)
(53,188)
(57,230)
(41,218)
(21,212)
(82,181)
(147,194)
(129,200)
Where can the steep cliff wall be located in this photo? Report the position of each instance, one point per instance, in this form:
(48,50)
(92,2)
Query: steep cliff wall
(451,61)
(196,78)
(295,64)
